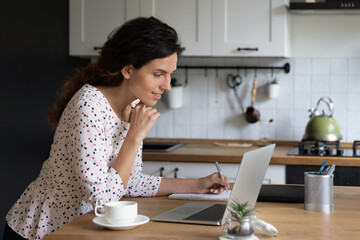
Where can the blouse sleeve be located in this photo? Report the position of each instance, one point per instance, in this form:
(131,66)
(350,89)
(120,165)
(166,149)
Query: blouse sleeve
(140,184)
(88,148)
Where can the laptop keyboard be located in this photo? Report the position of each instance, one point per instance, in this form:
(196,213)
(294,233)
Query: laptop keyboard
(213,213)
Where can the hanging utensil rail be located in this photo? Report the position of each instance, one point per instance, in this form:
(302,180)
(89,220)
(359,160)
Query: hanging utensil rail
(286,67)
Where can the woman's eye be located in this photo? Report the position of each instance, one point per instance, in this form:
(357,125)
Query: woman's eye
(157,74)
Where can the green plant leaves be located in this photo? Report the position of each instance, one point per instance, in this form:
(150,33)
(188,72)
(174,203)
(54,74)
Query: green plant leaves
(240,210)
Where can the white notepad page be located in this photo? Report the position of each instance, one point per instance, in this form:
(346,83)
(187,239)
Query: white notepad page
(224,196)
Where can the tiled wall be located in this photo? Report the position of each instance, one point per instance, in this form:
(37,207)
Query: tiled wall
(212,111)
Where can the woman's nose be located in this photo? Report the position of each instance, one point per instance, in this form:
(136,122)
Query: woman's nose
(167,84)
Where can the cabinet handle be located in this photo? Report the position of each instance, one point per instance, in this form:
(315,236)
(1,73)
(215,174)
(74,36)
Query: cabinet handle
(97,48)
(161,171)
(248,49)
(175,172)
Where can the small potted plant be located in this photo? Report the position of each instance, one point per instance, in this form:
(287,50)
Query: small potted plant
(240,224)
(273,88)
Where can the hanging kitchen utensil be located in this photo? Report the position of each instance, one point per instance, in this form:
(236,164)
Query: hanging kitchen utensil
(252,115)
(322,127)
(234,82)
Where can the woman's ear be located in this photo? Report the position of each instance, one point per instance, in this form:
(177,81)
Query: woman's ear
(127,71)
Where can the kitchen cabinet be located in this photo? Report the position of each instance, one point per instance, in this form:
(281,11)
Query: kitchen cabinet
(205,28)
(250,28)
(190,18)
(274,175)
(91,21)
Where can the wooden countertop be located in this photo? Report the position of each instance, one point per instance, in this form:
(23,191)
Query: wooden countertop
(207,151)
(291,220)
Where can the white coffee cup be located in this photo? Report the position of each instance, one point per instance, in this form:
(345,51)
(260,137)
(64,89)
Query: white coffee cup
(118,212)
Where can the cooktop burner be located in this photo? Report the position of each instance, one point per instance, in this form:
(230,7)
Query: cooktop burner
(324,148)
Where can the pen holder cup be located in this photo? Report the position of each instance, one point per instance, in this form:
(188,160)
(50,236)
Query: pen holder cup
(318,192)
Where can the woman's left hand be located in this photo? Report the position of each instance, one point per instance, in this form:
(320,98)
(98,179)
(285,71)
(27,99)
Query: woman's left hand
(213,184)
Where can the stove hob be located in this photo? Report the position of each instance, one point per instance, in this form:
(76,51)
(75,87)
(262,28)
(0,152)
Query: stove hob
(324,149)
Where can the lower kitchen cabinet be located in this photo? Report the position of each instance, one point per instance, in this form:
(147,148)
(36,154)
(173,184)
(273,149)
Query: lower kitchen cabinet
(274,175)
(343,176)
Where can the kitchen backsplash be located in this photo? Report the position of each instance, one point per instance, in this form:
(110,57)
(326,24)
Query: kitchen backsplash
(212,111)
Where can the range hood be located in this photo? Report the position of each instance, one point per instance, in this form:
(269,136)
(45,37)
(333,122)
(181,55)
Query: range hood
(324,6)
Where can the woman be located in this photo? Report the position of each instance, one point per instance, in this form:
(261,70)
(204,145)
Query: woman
(101,118)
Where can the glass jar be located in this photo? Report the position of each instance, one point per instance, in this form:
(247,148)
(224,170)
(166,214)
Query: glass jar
(264,128)
(236,229)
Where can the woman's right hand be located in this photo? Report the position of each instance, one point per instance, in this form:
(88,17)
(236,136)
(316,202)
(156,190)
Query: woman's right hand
(141,121)
(213,184)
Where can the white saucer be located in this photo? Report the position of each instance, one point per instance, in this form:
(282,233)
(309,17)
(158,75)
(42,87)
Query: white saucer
(139,220)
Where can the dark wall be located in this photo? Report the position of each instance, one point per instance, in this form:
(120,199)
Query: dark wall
(34,63)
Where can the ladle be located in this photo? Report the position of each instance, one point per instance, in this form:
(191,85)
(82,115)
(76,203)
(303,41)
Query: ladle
(252,115)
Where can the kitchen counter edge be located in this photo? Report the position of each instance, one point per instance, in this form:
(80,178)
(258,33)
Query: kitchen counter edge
(205,150)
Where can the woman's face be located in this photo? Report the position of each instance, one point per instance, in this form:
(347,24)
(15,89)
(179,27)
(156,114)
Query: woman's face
(150,81)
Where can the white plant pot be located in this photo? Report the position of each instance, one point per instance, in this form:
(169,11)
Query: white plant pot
(273,90)
(175,97)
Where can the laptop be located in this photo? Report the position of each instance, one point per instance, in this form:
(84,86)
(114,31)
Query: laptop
(246,188)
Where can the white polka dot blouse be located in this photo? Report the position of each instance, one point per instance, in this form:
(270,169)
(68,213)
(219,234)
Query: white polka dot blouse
(78,172)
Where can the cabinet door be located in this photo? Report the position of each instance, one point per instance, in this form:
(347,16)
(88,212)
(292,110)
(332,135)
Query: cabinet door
(249,28)
(157,168)
(275,174)
(190,18)
(188,169)
(91,21)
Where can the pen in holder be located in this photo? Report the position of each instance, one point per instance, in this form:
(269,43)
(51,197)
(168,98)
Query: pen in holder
(318,192)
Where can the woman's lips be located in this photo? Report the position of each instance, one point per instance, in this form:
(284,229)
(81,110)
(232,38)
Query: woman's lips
(157,96)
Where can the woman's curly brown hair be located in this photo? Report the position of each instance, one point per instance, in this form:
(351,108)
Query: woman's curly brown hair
(135,43)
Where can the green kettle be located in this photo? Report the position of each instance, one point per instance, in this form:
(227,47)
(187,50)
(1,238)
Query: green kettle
(322,127)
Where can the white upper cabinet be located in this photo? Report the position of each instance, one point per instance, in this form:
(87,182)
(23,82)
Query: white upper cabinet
(249,28)
(190,18)
(91,21)
(205,28)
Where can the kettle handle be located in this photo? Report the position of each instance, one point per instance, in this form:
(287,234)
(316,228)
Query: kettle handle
(328,102)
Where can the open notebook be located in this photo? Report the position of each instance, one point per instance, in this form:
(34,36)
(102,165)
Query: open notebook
(224,196)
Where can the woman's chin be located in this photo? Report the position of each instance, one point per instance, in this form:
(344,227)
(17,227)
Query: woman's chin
(149,103)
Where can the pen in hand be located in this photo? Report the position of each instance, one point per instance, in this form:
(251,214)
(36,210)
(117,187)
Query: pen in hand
(220,173)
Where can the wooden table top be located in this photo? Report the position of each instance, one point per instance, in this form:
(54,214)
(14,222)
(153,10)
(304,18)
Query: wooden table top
(291,220)
(207,151)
